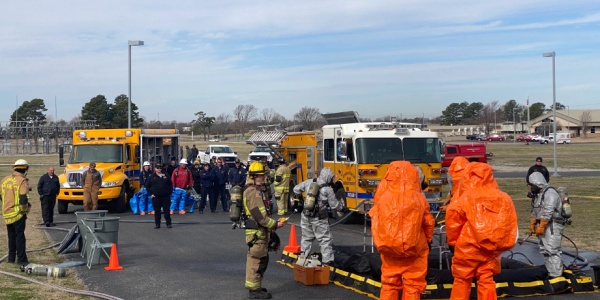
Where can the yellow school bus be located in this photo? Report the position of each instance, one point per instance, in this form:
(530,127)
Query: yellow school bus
(118,154)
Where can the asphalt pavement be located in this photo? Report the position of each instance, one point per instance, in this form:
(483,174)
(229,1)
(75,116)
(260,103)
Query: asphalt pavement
(201,257)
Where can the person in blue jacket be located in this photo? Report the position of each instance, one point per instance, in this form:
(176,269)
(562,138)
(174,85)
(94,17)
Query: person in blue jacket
(237,174)
(220,173)
(206,180)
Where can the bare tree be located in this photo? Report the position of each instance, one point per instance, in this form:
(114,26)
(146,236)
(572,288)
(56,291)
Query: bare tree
(243,114)
(488,116)
(586,118)
(309,118)
(266,115)
(222,124)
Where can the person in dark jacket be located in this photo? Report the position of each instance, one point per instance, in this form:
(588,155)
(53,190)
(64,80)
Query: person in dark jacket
(538,167)
(48,188)
(220,173)
(159,187)
(196,177)
(237,174)
(206,180)
(171,167)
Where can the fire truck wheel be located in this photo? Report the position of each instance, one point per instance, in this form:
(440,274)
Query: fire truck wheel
(63,207)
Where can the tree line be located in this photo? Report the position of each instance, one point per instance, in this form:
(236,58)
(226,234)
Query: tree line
(247,117)
(466,113)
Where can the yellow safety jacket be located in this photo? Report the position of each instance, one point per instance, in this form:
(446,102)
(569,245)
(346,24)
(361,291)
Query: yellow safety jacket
(12,187)
(256,208)
(285,173)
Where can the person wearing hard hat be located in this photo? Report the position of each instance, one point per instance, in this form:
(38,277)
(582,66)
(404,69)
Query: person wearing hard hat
(14,194)
(91,182)
(145,200)
(258,228)
(181,180)
(402,227)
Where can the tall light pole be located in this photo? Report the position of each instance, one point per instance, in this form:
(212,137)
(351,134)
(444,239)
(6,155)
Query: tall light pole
(514,127)
(553,55)
(131,43)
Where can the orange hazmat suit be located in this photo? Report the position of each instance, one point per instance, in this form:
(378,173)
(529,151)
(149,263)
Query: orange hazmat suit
(455,172)
(402,226)
(481,223)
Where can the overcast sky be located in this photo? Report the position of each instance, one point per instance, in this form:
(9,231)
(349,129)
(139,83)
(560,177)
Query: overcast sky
(375,57)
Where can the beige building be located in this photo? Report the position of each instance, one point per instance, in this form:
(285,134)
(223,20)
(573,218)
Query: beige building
(573,121)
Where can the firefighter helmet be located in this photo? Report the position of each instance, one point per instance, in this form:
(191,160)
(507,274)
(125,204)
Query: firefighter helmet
(21,164)
(256,168)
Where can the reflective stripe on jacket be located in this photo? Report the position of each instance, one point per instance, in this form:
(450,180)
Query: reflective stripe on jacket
(12,187)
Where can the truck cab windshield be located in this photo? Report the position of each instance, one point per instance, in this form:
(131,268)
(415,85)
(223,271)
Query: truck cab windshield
(386,150)
(96,153)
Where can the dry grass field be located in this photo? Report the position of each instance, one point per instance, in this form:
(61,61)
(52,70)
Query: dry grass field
(583,193)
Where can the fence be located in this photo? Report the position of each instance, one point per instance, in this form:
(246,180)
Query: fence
(30,137)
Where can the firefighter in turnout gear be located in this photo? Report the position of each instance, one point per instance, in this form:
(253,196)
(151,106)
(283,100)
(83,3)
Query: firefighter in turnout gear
(14,195)
(258,227)
(282,186)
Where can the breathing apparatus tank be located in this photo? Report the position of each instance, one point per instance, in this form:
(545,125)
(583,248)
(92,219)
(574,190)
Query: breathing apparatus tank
(235,210)
(311,196)
(566,211)
(42,270)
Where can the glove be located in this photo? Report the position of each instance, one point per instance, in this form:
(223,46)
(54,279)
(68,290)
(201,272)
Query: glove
(542,227)
(296,198)
(532,224)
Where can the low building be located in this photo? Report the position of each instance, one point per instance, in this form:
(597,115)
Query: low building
(576,122)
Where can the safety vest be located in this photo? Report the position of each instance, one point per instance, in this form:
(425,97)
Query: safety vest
(11,206)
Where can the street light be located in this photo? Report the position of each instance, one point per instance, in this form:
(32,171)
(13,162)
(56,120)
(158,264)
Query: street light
(131,43)
(553,55)
(514,126)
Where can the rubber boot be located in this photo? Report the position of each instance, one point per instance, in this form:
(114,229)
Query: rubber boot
(259,294)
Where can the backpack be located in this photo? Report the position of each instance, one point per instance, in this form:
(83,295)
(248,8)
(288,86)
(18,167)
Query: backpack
(565,205)
(493,219)
(397,224)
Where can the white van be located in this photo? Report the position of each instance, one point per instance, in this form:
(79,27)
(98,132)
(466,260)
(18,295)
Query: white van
(561,137)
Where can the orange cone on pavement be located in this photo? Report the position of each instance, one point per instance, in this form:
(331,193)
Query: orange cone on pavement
(292,245)
(113,261)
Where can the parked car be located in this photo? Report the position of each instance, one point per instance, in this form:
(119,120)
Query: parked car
(219,151)
(528,138)
(259,153)
(495,137)
(476,137)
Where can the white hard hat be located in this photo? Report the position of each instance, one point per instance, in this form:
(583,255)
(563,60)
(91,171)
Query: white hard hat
(21,164)
(183,161)
(146,163)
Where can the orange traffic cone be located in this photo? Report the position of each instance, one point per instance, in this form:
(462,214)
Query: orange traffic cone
(113,261)
(292,244)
